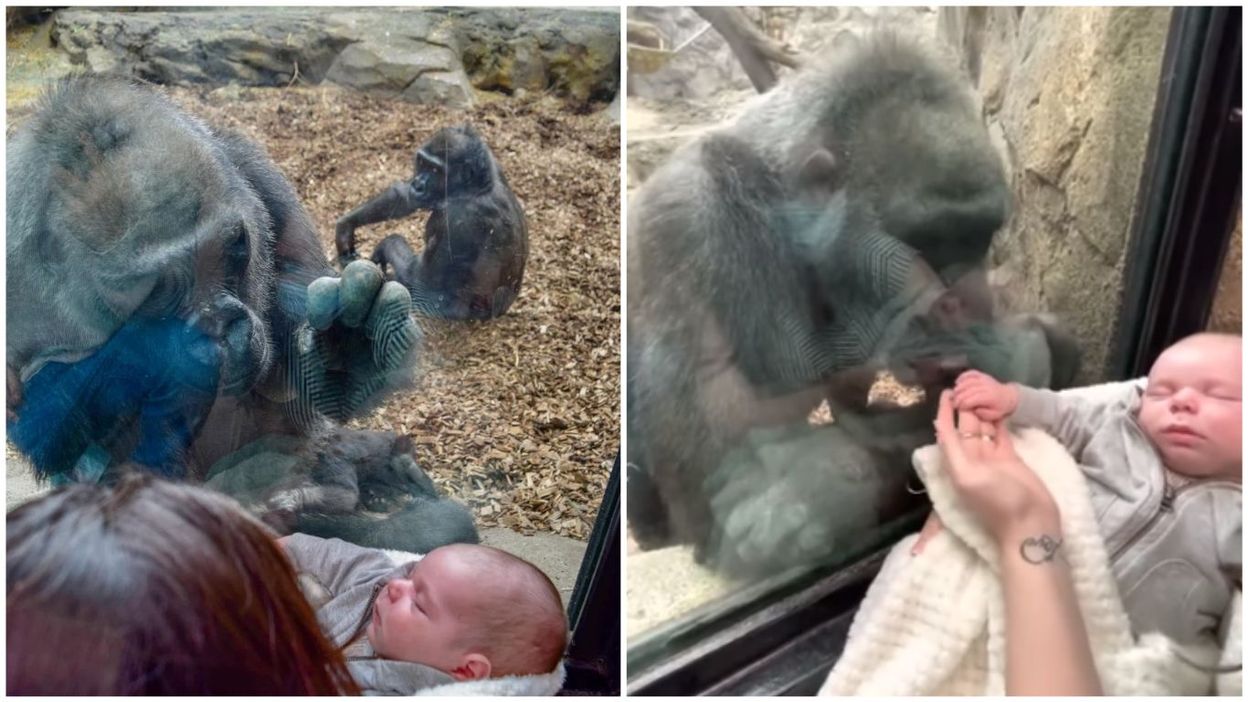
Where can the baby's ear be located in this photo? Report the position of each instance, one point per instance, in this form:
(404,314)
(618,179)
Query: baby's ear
(473,666)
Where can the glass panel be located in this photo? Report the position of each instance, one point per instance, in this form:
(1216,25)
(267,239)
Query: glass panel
(808,268)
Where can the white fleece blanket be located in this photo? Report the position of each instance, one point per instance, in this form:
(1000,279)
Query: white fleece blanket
(934,624)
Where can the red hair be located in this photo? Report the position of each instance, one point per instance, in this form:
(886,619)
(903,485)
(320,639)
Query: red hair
(155,588)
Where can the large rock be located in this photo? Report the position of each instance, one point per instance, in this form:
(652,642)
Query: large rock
(250,46)
(403,68)
(418,54)
(1068,94)
(510,48)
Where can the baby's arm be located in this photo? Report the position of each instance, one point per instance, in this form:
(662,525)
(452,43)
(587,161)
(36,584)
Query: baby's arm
(335,564)
(1070,419)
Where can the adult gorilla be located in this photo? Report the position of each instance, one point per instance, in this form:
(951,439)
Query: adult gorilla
(168,298)
(838,227)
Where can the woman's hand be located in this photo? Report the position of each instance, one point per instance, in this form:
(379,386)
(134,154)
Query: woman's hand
(1005,495)
(990,400)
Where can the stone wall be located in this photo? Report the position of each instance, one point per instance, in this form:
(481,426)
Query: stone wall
(1068,94)
(704,66)
(439,55)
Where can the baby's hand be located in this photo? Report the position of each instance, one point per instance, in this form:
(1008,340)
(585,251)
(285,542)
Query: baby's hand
(977,392)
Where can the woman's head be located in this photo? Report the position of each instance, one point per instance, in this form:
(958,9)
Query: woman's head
(156,588)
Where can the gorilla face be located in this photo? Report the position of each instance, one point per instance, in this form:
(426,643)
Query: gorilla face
(923,194)
(454,162)
(222,289)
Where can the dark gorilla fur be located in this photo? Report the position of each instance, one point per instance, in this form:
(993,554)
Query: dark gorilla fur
(476,239)
(838,227)
(158,297)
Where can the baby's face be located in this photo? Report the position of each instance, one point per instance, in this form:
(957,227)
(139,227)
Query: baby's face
(1192,408)
(423,617)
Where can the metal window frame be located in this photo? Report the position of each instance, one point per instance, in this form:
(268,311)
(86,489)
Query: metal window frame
(593,658)
(1188,199)
(1189,193)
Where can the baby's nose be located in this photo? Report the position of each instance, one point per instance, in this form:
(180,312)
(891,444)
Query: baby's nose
(394,590)
(1184,399)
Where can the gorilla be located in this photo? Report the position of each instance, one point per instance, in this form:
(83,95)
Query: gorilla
(837,228)
(476,239)
(169,302)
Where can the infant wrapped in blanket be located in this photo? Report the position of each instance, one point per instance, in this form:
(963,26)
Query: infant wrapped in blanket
(934,624)
(462,620)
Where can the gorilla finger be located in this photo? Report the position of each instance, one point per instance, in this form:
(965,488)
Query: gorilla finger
(346,259)
(314,392)
(361,280)
(390,326)
(323,302)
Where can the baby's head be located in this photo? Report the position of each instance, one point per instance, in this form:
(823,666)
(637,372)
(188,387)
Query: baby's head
(472,612)
(1191,409)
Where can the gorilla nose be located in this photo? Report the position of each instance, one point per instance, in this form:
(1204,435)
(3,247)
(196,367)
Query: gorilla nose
(949,229)
(222,317)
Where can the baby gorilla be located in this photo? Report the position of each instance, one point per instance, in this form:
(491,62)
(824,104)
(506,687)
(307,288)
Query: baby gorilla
(476,239)
(463,612)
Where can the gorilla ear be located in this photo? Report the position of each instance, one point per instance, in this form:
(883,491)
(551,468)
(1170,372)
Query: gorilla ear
(820,175)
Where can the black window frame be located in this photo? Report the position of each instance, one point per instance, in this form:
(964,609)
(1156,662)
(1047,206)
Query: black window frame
(592,662)
(1187,203)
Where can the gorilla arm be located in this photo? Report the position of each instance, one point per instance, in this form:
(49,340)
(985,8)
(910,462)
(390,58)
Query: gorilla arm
(395,203)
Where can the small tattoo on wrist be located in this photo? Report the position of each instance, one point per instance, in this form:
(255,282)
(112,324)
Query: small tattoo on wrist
(1039,550)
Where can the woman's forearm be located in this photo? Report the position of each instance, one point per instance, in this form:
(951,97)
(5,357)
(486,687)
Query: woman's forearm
(1046,646)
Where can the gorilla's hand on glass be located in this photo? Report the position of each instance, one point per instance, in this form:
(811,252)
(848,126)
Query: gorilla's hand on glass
(358,340)
(795,494)
(989,399)
(1005,495)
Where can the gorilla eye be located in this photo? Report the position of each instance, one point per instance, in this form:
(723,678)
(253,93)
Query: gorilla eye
(428,162)
(236,245)
(235,256)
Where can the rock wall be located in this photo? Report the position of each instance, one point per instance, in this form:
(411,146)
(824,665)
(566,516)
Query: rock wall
(1068,94)
(1228,303)
(435,55)
(704,66)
